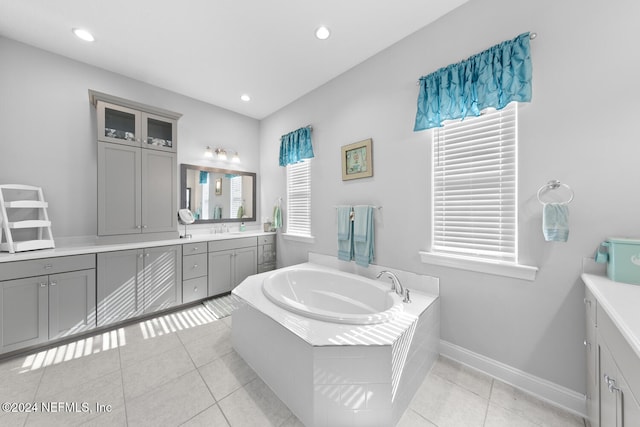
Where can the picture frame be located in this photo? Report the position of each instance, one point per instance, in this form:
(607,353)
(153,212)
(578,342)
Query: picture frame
(357,160)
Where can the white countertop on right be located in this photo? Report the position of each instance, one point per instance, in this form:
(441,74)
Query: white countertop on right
(621,302)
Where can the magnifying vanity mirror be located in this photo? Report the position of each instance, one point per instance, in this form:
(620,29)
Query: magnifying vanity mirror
(218,195)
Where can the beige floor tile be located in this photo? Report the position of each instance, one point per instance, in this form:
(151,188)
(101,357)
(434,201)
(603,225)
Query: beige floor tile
(531,408)
(410,418)
(468,378)
(171,404)
(497,416)
(199,332)
(225,375)
(106,390)
(213,344)
(75,372)
(210,417)
(254,405)
(148,374)
(447,404)
(139,343)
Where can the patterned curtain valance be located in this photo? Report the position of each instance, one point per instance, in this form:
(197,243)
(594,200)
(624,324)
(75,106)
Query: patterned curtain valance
(296,146)
(492,78)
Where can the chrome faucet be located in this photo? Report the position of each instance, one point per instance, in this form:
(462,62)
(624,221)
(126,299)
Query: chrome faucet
(395,282)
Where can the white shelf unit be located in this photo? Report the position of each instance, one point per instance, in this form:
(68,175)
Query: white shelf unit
(42,225)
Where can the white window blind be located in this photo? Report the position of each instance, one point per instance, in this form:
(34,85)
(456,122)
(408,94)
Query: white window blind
(299,198)
(236,195)
(474,186)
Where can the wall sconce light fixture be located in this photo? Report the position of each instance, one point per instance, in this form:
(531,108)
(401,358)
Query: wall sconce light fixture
(221,154)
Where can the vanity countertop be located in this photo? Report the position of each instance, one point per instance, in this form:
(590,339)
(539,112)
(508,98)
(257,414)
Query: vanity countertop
(87,247)
(620,301)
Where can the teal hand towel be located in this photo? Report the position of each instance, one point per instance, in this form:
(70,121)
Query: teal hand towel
(555,222)
(345,243)
(277,217)
(363,239)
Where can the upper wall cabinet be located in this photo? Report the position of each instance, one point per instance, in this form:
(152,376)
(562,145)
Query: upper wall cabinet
(125,122)
(137,167)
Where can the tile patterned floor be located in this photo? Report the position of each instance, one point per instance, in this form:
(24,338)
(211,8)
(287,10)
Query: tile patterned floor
(180,370)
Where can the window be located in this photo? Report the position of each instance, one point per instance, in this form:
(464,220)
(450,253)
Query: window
(475,187)
(299,199)
(236,195)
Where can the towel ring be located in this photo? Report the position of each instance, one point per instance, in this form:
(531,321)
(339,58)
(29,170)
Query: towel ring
(553,185)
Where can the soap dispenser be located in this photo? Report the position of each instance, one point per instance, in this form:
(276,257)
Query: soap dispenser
(242,227)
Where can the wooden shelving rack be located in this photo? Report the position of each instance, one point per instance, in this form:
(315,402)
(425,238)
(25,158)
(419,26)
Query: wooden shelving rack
(44,238)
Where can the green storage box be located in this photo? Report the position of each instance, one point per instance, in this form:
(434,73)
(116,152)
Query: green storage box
(623,259)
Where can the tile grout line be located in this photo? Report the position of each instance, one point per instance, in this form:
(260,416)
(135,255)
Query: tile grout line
(124,397)
(486,412)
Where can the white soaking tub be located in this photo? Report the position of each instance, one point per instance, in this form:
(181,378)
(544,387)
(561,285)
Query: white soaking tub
(337,348)
(332,296)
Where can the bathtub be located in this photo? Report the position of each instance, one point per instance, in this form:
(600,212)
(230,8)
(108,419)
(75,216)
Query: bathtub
(337,348)
(332,296)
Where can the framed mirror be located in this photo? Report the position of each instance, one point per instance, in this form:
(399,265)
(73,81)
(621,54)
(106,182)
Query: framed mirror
(218,195)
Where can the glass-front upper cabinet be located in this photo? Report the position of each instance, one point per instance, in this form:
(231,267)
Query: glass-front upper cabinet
(124,125)
(159,133)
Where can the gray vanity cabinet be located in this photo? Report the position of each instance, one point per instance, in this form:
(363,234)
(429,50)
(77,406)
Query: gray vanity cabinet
(138,281)
(45,306)
(230,262)
(137,190)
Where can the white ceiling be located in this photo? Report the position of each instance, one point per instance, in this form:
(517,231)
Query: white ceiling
(216,50)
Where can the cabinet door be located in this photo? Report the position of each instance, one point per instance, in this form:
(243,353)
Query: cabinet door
(117,124)
(159,192)
(119,188)
(608,399)
(23,316)
(159,133)
(119,278)
(72,303)
(591,350)
(220,272)
(162,278)
(245,264)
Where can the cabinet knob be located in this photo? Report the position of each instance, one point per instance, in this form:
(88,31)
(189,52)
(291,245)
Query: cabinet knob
(195,289)
(587,302)
(611,384)
(144,226)
(195,248)
(138,227)
(195,266)
(53,283)
(48,266)
(587,344)
(43,285)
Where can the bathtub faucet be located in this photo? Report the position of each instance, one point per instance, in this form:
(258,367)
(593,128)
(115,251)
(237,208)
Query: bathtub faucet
(395,284)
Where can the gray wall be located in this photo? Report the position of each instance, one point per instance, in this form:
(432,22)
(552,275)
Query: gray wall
(48,130)
(580,129)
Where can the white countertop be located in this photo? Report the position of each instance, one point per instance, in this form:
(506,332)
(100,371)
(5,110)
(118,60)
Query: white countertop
(88,247)
(621,302)
(319,333)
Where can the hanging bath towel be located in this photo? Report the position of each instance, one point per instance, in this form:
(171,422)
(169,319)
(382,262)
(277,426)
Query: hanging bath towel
(363,235)
(555,222)
(345,243)
(277,215)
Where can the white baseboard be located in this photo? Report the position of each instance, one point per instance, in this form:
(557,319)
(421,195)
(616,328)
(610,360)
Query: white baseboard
(553,393)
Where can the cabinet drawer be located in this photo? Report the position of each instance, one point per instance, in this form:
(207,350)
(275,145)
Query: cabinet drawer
(37,267)
(194,289)
(590,304)
(194,248)
(194,266)
(625,357)
(223,245)
(267,240)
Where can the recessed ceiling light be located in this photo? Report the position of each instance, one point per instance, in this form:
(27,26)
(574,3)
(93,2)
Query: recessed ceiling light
(83,34)
(245,98)
(323,33)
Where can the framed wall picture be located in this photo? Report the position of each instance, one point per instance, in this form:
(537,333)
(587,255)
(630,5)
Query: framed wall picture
(357,160)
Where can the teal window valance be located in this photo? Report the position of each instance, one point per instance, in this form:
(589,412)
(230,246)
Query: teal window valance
(492,78)
(296,146)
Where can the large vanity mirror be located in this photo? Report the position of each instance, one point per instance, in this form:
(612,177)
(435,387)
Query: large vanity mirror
(218,195)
